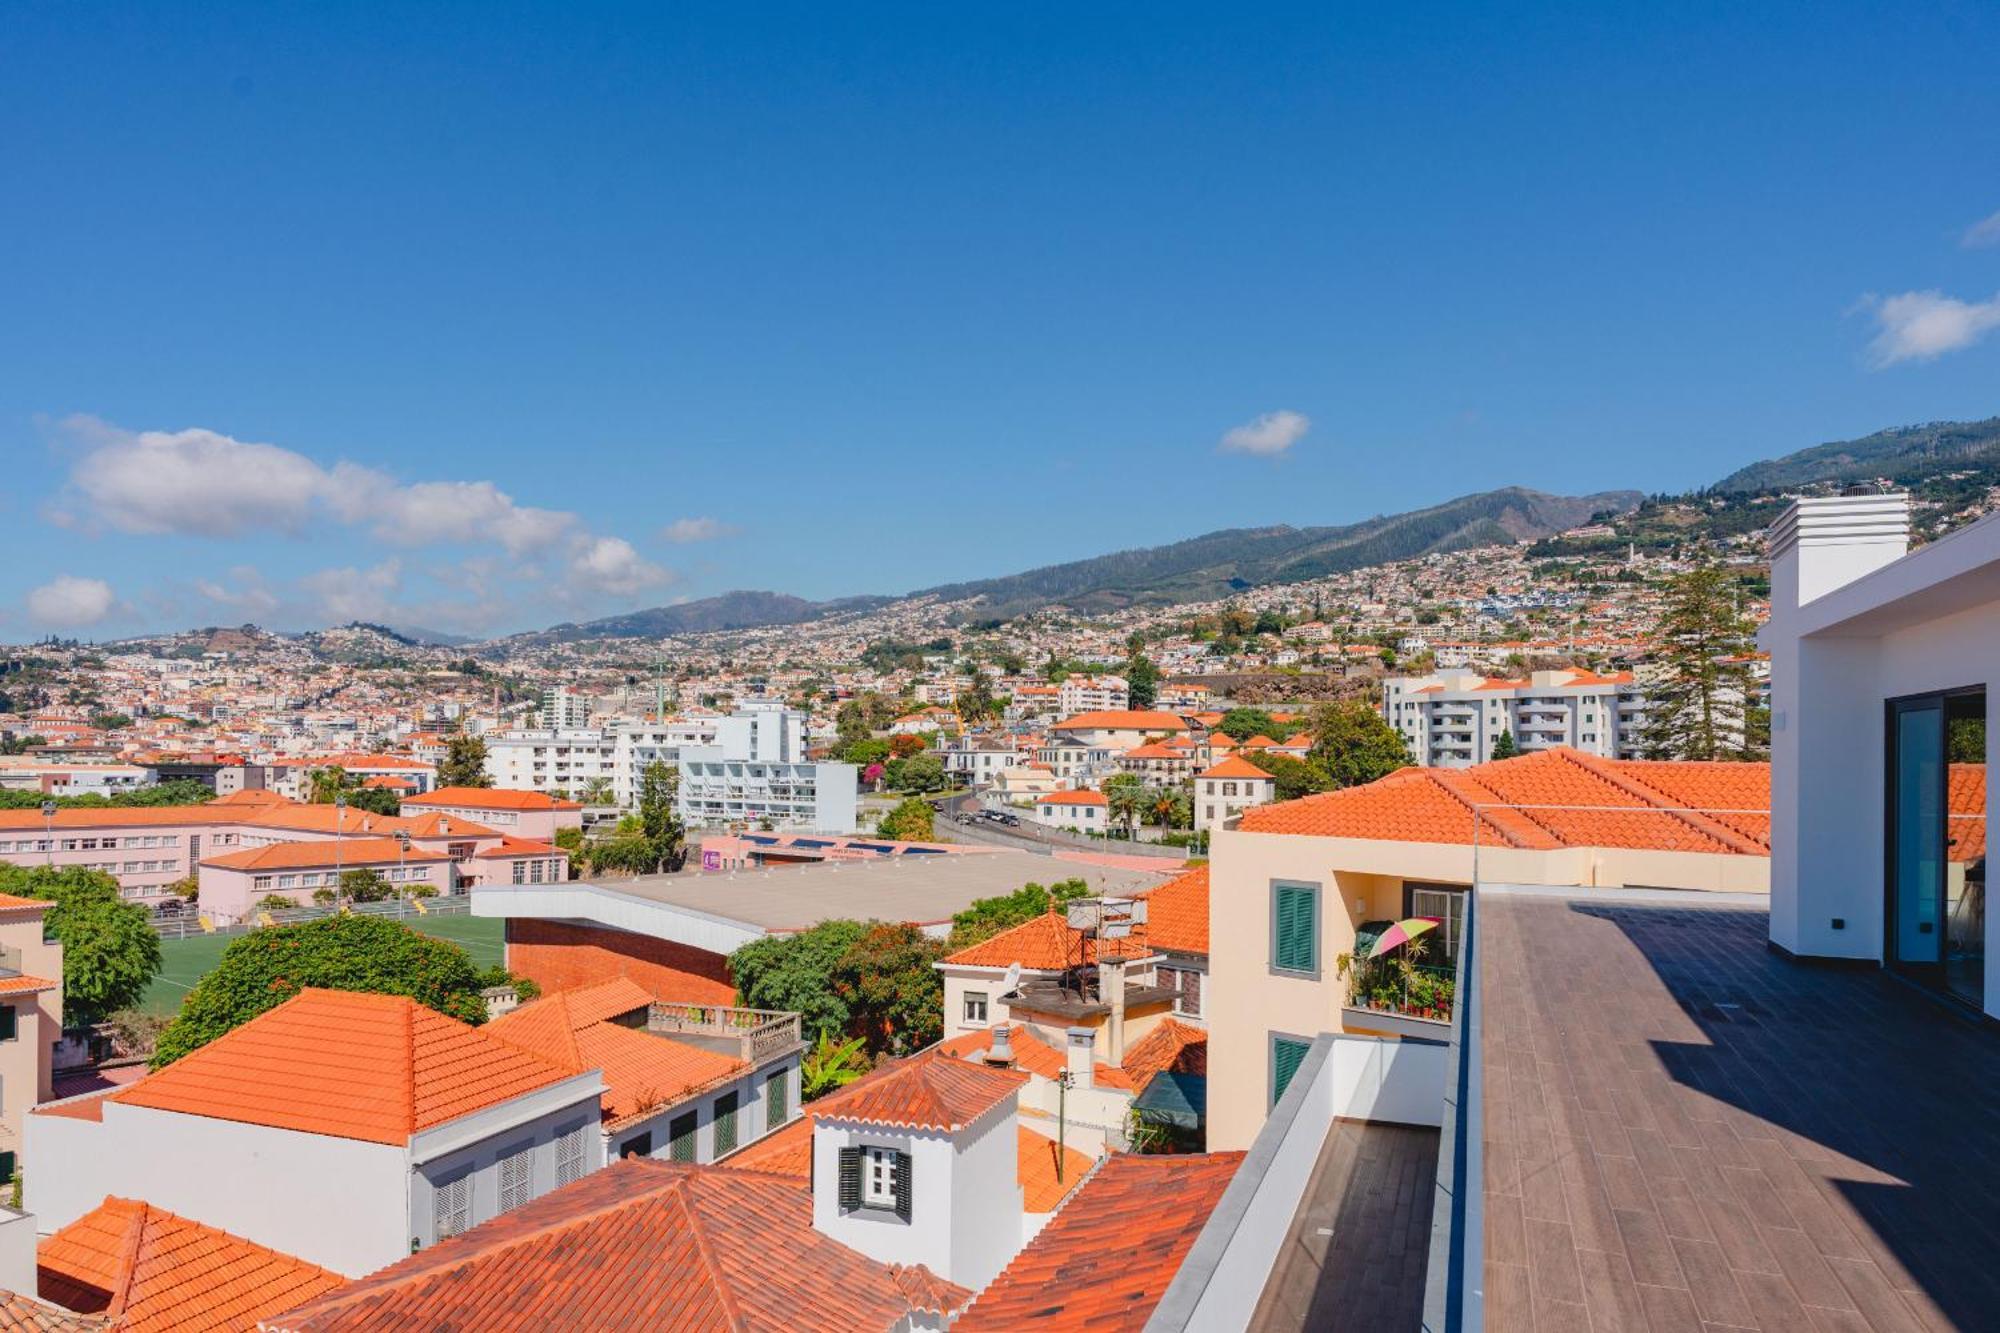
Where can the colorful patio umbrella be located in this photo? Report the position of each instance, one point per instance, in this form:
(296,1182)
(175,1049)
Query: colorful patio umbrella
(1403,932)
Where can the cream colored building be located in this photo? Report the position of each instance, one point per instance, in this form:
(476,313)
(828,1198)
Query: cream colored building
(1226,789)
(1291,885)
(31,969)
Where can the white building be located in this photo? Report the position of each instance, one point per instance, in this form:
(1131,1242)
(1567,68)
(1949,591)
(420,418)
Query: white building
(1093,694)
(758,772)
(563,709)
(1228,788)
(1085,811)
(1454,720)
(565,760)
(634,745)
(1882,664)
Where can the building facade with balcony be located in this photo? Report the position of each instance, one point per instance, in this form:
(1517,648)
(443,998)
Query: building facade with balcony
(1455,720)
(758,773)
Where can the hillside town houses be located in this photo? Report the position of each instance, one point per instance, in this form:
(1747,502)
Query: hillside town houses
(1230,1075)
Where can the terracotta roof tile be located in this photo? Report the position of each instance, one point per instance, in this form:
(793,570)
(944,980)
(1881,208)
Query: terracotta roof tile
(1235,767)
(1108,1256)
(24,1314)
(491,798)
(322,852)
(787,1152)
(1121,719)
(1625,803)
(1072,798)
(1177,913)
(926,1291)
(1032,1055)
(667,1246)
(922,1092)
(345,1064)
(150,1270)
(1171,1046)
(519,847)
(1048,943)
(642,1071)
(1041,1191)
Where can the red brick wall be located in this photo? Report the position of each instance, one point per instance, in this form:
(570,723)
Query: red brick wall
(558,956)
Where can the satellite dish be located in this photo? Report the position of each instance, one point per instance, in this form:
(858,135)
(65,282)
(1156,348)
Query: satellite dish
(1011,980)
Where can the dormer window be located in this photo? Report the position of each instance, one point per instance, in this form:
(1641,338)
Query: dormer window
(880,1169)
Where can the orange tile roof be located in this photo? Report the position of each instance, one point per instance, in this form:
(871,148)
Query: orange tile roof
(24,985)
(491,798)
(1036,1170)
(113,816)
(1123,719)
(643,1072)
(10,902)
(89,1106)
(788,1152)
(1032,1055)
(25,1314)
(1177,913)
(1627,803)
(1108,1256)
(252,796)
(440,824)
(1048,943)
(1259,742)
(519,847)
(1171,1046)
(664,1245)
(1072,798)
(922,1092)
(1152,750)
(148,1269)
(926,1291)
(321,852)
(1235,767)
(348,1065)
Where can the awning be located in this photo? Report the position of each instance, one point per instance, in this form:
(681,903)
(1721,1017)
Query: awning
(1175,1099)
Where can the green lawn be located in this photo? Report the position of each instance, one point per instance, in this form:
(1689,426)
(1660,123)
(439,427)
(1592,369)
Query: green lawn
(184,962)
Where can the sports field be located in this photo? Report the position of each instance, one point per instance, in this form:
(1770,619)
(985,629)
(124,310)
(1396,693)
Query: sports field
(184,962)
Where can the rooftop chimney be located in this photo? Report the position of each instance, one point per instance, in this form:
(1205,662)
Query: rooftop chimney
(1001,1052)
(1111,986)
(1826,542)
(1082,1047)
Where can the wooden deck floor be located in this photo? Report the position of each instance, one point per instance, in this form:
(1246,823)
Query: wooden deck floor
(1356,1253)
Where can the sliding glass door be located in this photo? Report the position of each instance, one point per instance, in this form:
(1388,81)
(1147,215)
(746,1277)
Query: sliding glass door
(1936,910)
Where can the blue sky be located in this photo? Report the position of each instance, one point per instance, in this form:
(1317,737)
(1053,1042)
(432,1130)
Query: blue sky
(483,316)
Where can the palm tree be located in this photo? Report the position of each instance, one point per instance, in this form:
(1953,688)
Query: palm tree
(1125,799)
(1170,806)
(328,783)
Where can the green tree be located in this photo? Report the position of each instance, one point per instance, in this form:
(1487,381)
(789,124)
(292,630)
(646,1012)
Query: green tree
(795,972)
(365,886)
(110,721)
(1125,799)
(464,763)
(850,720)
(1240,724)
(1294,777)
(892,989)
(868,750)
(923,772)
(1695,701)
(987,917)
(324,784)
(1143,678)
(346,952)
(660,816)
(110,950)
(910,821)
(597,791)
(1170,807)
(975,701)
(1504,746)
(1352,744)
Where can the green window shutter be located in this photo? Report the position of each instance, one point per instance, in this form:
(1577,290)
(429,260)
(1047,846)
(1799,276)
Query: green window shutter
(1296,930)
(776,1112)
(725,1124)
(680,1138)
(1286,1056)
(9,1023)
(6,1167)
(850,1179)
(903,1185)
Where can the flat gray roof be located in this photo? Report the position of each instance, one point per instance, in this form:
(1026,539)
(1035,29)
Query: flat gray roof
(922,889)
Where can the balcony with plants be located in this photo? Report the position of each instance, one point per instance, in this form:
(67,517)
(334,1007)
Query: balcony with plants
(1400,988)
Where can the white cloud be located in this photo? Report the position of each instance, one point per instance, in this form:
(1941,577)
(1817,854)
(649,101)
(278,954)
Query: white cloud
(1982,233)
(610,567)
(252,595)
(1921,326)
(337,596)
(191,481)
(69,602)
(1269,436)
(427,512)
(684,531)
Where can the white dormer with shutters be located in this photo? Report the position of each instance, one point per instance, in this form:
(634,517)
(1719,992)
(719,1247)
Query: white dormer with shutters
(917,1189)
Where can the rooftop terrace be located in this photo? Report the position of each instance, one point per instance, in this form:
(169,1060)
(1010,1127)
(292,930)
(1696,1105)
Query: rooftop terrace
(1684,1130)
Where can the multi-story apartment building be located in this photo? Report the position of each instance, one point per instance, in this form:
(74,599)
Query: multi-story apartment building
(1093,694)
(758,772)
(563,709)
(567,760)
(1454,720)
(635,744)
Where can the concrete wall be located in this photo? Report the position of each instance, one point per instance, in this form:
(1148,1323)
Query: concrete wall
(985,1198)
(340,1203)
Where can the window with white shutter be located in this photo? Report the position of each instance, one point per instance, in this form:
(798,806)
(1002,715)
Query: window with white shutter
(517,1178)
(451,1205)
(569,1156)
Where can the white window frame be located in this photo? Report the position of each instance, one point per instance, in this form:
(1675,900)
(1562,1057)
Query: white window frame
(878,1177)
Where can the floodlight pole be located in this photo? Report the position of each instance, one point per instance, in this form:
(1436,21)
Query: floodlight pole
(49,832)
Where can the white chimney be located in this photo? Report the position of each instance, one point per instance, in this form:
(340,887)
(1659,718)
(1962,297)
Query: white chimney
(1827,542)
(1082,1048)
(1111,986)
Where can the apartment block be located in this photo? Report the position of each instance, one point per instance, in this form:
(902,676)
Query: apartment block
(1454,720)
(758,772)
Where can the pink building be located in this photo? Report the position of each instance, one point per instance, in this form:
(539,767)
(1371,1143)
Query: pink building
(234,884)
(521,814)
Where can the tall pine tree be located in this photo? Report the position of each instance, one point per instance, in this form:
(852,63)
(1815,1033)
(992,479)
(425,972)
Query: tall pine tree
(1695,700)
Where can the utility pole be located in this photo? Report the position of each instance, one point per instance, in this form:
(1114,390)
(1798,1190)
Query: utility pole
(49,831)
(339,819)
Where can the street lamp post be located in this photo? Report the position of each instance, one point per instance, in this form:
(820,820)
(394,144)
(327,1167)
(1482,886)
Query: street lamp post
(402,851)
(49,831)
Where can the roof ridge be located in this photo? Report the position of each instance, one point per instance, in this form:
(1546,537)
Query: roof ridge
(1632,786)
(128,1255)
(410,1065)
(1446,780)
(698,1229)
